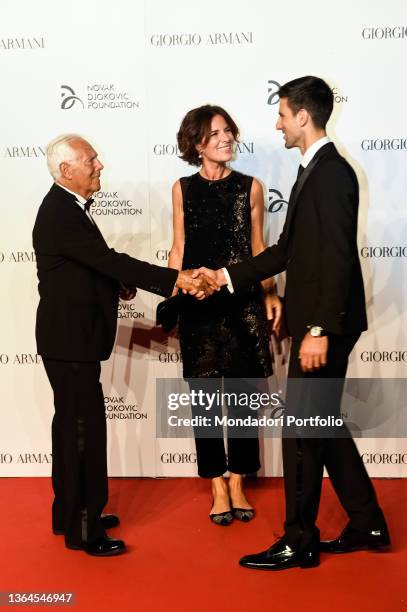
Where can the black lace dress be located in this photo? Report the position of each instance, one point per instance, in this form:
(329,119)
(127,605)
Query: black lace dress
(226,334)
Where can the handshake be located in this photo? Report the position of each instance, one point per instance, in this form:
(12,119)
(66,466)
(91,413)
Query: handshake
(200,283)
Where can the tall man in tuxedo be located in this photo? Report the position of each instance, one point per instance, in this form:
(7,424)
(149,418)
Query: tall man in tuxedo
(80,280)
(325,315)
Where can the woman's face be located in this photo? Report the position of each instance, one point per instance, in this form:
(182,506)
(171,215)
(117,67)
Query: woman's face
(219,147)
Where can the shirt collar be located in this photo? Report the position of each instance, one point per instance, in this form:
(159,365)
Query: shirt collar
(80,199)
(310,152)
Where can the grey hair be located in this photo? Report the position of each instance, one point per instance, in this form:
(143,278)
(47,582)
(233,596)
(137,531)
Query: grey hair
(59,150)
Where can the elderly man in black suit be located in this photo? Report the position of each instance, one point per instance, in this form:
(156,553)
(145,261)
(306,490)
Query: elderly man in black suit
(80,281)
(325,315)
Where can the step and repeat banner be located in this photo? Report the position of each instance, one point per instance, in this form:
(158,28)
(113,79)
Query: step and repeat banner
(123,74)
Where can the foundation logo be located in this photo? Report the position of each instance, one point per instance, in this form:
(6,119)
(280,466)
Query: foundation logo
(117,409)
(113,203)
(276,201)
(339,97)
(97,96)
(128,310)
(272,91)
(69,98)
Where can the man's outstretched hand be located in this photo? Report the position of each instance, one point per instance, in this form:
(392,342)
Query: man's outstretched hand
(216,276)
(199,285)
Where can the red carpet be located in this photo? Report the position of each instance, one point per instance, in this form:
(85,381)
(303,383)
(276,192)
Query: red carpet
(179,561)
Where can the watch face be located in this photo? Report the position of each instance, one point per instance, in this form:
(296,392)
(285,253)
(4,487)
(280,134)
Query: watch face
(315,331)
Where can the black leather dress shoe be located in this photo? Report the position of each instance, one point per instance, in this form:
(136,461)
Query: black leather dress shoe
(104,547)
(281,556)
(352,540)
(108,522)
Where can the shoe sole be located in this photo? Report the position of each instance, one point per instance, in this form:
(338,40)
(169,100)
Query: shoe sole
(74,546)
(378,549)
(111,553)
(279,569)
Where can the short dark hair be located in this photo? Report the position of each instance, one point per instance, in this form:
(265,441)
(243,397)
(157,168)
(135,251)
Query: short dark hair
(195,128)
(311,93)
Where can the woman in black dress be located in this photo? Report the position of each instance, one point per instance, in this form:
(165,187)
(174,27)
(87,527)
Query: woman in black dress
(218,220)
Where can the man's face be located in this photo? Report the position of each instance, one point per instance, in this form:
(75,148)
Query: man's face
(289,124)
(83,171)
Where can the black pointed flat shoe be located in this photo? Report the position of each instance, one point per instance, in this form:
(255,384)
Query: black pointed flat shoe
(222,518)
(243,514)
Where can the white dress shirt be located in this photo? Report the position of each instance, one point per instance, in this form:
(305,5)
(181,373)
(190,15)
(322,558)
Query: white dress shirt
(310,152)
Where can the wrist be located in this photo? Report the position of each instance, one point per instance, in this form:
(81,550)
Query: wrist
(221,278)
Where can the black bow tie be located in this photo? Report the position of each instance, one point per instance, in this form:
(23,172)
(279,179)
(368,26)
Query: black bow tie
(300,171)
(88,204)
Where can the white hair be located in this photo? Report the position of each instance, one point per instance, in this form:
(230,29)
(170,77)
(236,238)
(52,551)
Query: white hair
(59,150)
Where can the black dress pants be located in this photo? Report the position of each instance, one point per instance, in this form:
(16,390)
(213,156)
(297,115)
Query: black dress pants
(304,458)
(79,470)
(243,453)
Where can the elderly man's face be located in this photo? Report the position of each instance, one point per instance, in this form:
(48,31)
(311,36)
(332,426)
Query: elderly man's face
(83,172)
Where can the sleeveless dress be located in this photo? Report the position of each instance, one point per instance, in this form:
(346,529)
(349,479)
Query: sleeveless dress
(225,334)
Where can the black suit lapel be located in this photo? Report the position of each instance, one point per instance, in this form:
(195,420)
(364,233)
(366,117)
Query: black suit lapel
(299,183)
(61,195)
(92,224)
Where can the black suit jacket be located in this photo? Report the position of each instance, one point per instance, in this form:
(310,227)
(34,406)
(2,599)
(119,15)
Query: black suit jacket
(79,281)
(318,248)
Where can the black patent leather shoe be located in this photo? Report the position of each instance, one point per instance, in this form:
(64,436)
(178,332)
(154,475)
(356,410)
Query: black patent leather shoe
(352,540)
(104,547)
(281,556)
(108,522)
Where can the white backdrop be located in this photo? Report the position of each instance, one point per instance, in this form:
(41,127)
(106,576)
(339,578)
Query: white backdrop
(123,74)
